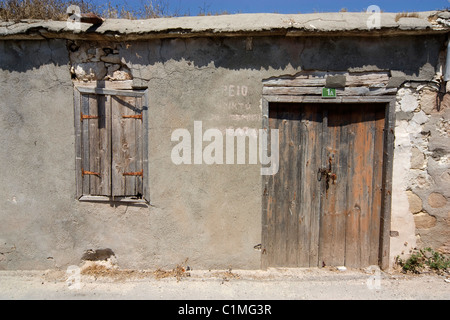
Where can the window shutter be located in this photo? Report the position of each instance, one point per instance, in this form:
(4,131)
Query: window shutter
(127,146)
(111,144)
(96,145)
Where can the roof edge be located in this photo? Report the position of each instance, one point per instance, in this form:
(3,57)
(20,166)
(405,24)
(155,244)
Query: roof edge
(297,25)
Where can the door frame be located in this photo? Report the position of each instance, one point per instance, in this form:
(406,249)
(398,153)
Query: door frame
(388,100)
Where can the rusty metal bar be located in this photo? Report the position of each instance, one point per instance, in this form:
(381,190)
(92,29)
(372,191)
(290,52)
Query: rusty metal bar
(90,173)
(137,116)
(84,116)
(141,173)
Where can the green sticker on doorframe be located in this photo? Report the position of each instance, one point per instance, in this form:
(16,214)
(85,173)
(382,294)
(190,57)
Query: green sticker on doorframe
(329,93)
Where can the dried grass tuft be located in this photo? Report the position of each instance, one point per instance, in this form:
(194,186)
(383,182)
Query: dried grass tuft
(180,271)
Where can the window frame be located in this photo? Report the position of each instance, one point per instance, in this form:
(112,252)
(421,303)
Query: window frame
(113,89)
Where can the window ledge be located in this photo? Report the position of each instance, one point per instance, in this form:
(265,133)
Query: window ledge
(112,199)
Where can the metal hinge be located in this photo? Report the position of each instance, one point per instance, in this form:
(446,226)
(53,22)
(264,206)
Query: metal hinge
(87,117)
(140,173)
(137,116)
(89,173)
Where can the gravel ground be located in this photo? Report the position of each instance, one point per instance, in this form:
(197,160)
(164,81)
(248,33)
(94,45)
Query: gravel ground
(274,284)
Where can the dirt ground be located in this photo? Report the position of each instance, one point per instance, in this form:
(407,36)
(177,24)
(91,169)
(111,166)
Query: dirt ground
(273,284)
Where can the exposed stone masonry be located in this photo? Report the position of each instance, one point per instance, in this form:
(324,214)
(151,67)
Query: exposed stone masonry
(422,136)
(93,61)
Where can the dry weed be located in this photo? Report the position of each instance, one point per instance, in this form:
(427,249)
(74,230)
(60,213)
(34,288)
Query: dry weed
(180,271)
(227,275)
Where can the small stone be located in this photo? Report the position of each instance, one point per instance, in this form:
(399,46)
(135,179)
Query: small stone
(99,53)
(112,58)
(409,103)
(415,203)
(417,158)
(445,103)
(422,182)
(396,81)
(428,101)
(120,75)
(437,200)
(341,269)
(90,71)
(394,234)
(112,68)
(420,117)
(424,221)
(337,81)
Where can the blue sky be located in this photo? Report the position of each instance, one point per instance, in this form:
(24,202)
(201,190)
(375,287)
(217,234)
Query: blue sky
(194,7)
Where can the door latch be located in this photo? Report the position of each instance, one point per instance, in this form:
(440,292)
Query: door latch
(328,174)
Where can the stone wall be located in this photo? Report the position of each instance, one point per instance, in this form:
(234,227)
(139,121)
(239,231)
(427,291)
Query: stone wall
(421,211)
(97,61)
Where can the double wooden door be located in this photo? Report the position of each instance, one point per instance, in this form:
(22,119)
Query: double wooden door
(323,207)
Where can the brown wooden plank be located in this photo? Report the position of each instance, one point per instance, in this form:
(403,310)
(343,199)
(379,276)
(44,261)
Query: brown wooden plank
(85,163)
(318,79)
(139,148)
(145,147)
(348,91)
(313,185)
(129,134)
(355,205)
(388,164)
(368,124)
(306,132)
(279,206)
(334,210)
(320,100)
(375,230)
(99,146)
(104,111)
(108,85)
(112,92)
(310,187)
(282,192)
(323,163)
(94,146)
(119,148)
(78,144)
(274,185)
(340,186)
(368,79)
(269,194)
(292,188)
(123,146)
(268,244)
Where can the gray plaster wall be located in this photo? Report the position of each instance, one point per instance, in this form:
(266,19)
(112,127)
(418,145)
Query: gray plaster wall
(210,214)
(37,212)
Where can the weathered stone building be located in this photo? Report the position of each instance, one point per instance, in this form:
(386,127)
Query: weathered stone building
(91,157)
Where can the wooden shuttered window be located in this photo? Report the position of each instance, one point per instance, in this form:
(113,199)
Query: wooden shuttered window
(111,145)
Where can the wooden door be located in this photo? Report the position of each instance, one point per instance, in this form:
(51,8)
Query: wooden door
(324,205)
